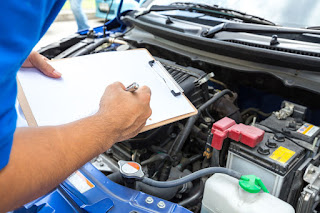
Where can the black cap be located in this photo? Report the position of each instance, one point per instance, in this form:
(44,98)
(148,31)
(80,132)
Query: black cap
(279,137)
(263,150)
(292,125)
(271,143)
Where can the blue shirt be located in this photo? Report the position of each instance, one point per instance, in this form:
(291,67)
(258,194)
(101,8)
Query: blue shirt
(22,24)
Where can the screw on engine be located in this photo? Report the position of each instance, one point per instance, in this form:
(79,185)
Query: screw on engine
(99,159)
(161,205)
(207,119)
(149,200)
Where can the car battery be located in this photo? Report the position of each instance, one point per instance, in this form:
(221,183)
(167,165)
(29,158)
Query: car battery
(290,121)
(274,160)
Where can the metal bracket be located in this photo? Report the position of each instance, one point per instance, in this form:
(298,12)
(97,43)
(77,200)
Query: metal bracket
(310,194)
(204,79)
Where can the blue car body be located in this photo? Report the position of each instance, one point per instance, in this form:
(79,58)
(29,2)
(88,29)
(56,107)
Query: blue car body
(103,196)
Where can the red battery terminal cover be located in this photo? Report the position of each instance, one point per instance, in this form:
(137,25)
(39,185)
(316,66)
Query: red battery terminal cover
(227,128)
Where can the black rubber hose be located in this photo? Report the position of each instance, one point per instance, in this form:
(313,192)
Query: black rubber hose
(91,47)
(116,177)
(158,149)
(164,193)
(193,197)
(191,177)
(214,99)
(188,127)
(157,157)
(197,132)
(181,128)
(190,160)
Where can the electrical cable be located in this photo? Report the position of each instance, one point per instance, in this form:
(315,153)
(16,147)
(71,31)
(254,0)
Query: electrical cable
(249,119)
(218,82)
(191,177)
(119,11)
(264,114)
(106,19)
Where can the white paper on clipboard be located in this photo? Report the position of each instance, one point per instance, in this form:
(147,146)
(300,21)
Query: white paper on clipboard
(77,94)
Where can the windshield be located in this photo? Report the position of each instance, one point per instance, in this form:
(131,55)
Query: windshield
(289,13)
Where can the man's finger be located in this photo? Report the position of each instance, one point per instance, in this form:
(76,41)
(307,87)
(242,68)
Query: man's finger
(144,89)
(121,85)
(40,62)
(117,85)
(144,93)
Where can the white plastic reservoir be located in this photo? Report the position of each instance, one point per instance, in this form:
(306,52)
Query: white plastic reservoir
(223,194)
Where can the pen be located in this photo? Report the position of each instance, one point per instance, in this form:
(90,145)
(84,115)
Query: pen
(132,87)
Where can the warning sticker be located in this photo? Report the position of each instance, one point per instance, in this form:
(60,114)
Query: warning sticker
(308,129)
(282,154)
(80,182)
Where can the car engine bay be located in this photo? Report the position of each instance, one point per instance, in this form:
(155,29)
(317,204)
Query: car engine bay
(249,121)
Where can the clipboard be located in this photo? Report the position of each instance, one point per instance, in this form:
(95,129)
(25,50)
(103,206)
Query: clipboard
(32,119)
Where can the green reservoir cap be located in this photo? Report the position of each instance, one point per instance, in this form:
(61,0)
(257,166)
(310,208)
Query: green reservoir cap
(252,184)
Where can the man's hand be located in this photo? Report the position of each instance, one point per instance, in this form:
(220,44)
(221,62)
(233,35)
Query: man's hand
(45,156)
(40,62)
(127,112)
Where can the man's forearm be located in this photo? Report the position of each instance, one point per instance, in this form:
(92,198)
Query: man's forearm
(43,157)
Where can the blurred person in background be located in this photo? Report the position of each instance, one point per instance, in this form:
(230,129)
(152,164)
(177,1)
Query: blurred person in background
(79,15)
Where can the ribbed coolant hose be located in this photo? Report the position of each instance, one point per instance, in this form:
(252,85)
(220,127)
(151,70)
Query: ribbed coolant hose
(191,177)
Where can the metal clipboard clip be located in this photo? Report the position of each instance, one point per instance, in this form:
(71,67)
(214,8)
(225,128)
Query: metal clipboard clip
(172,85)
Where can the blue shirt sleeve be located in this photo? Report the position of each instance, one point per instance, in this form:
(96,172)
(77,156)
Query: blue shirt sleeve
(22,25)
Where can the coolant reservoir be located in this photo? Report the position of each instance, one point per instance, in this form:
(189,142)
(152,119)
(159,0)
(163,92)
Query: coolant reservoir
(225,194)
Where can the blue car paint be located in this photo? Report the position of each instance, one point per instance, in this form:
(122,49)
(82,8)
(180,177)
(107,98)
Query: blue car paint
(105,196)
